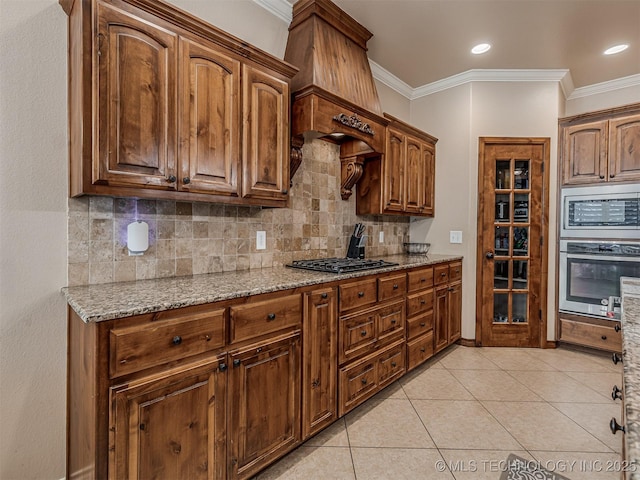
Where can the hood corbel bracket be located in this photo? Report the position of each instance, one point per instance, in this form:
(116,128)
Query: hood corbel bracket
(353,155)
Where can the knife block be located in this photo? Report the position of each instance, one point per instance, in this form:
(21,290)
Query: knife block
(354,251)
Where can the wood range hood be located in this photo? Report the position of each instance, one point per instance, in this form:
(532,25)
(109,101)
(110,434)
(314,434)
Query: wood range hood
(334,94)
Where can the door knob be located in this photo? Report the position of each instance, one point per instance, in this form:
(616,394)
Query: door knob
(489,255)
(614,426)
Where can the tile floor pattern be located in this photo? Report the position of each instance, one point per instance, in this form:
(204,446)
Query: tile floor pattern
(461,414)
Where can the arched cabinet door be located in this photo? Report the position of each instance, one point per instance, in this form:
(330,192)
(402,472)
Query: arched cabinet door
(265,142)
(136,102)
(624,149)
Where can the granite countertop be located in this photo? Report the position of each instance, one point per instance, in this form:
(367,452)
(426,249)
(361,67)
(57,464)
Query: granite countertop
(94,303)
(630,288)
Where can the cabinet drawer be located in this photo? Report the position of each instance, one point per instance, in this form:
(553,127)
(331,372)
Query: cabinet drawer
(392,287)
(419,350)
(357,383)
(441,274)
(391,321)
(391,364)
(419,302)
(357,335)
(592,335)
(420,279)
(138,347)
(255,319)
(455,271)
(419,325)
(358,294)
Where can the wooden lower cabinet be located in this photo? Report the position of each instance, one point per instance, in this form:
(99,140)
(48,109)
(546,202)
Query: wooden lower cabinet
(447,315)
(363,378)
(171,425)
(591,332)
(319,364)
(419,350)
(264,403)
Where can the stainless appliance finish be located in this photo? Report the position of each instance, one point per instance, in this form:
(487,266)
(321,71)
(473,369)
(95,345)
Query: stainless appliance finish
(590,274)
(340,265)
(601,211)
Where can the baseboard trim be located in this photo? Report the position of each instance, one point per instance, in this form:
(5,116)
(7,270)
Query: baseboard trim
(468,342)
(550,344)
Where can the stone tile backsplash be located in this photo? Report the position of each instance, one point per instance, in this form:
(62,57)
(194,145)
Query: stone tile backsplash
(194,238)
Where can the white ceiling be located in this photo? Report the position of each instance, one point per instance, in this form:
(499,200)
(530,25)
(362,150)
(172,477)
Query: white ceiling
(423,42)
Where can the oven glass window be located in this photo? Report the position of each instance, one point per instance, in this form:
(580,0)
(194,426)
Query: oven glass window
(591,281)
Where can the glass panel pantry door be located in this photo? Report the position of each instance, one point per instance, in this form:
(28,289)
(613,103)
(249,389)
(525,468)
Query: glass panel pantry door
(510,199)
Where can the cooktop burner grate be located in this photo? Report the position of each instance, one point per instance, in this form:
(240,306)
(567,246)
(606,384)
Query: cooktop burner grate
(340,265)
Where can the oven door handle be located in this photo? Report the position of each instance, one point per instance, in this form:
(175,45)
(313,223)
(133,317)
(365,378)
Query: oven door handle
(601,257)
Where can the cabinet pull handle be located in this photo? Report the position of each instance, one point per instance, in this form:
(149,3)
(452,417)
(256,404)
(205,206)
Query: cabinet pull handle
(100,39)
(617,327)
(450,289)
(285,191)
(222,367)
(177,340)
(616,393)
(422,301)
(324,295)
(423,279)
(171,179)
(363,333)
(186,180)
(394,321)
(614,426)
(603,337)
(423,349)
(395,286)
(443,274)
(364,381)
(360,294)
(271,316)
(142,426)
(422,324)
(615,358)
(394,364)
(237,362)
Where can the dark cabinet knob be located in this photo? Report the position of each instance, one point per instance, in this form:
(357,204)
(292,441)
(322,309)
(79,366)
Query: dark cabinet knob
(450,289)
(616,358)
(612,175)
(360,294)
(422,301)
(177,340)
(395,287)
(422,324)
(363,333)
(443,274)
(171,179)
(614,426)
(603,337)
(423,349)
(271,316)
(616,327)
(324,295)
(423,280)
(394,364)
(222,367)
(236,362)
(601,177)
(364,381)
(616,393)
(489,255)
(394,321)
(186,180)
(285,191)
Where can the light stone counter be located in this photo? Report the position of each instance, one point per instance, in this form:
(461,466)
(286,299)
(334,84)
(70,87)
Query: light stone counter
(94,303)
(630,288)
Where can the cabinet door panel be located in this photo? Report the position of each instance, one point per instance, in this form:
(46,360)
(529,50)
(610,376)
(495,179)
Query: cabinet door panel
(265,144)
(264,408)
(393,174)
(170,427)
(414,177)
(624,149)
(429,164)
(585,150)
(455,312)
(136,102)
(320,364)
(441,319)
(210,121)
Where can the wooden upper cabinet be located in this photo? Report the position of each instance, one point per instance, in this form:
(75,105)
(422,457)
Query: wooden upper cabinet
(393,171)
(158,100)
(136,101)
(600,147)
(210,120)
(265,142)
(624,148)
(401,181)
(585,153)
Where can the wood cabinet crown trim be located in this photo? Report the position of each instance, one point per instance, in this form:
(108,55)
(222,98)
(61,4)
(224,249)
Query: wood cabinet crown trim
(600,114)
(422,135)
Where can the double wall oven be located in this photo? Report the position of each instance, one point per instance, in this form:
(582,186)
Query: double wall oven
(600,242)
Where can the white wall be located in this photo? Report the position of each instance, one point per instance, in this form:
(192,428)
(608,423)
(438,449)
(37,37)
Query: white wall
(459,117)
(393,102)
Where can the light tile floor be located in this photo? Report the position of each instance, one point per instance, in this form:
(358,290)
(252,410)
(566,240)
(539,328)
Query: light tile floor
(461,414)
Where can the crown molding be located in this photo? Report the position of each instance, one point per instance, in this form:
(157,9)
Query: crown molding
(604,87)
(280,8)
(390,80)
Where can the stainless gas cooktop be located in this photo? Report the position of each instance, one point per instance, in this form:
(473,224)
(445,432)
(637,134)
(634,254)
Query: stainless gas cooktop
(340,265)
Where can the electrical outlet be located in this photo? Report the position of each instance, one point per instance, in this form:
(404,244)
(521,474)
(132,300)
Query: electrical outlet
(261,240)
(381,237)
(455,236)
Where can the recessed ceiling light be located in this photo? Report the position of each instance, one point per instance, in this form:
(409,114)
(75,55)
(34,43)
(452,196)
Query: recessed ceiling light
(616,49)
(480,48)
